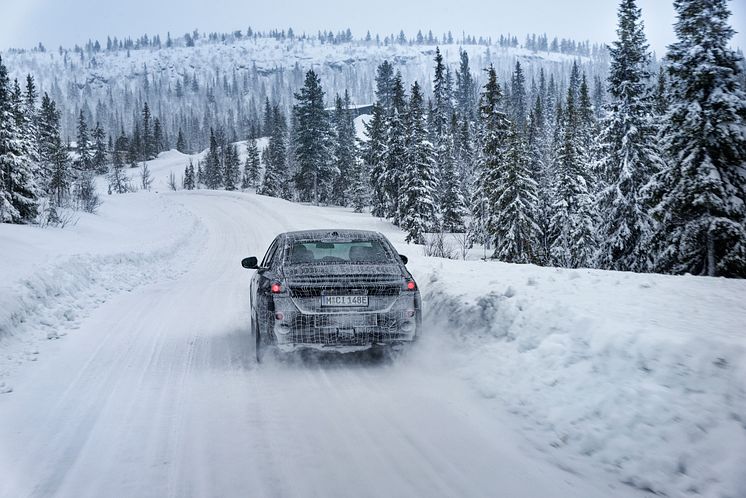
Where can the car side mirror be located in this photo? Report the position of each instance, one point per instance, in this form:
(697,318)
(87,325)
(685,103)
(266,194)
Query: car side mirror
(250,263)
(404,259)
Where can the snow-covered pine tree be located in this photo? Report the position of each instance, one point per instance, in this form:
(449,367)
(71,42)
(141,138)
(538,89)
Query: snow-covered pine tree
(701,194)
(385,85)
(251,171)
(518,99)
(189,176)
(515,231)
(628,149)
(213,172)
(571,227)
(84,162)
(181,143)
(537,144)
(19,192)
(276,181)
(148,147)
(345,150)
(313,135)
(98,161)
(232,173)
(396,150)
(466,89)
(374,154)
(359,191)
(495,127)
(451,205)
(416,205)
(660,95)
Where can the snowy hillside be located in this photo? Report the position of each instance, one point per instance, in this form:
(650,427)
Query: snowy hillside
(236,76)
(550,382)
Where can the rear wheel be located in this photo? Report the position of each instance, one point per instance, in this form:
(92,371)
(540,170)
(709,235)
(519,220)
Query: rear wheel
(259,347)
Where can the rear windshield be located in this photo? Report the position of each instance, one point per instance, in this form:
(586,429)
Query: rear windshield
(349,251)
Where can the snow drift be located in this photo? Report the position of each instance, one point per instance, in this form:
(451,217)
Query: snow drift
(643,374)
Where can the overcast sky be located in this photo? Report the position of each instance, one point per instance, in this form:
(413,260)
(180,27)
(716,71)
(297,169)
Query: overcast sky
(23,23)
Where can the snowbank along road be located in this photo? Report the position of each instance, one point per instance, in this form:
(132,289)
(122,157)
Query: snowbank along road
(153,390)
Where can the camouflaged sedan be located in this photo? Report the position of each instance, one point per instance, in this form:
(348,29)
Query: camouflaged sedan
(341,290)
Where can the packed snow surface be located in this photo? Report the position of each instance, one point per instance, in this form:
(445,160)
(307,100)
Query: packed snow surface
(528,381)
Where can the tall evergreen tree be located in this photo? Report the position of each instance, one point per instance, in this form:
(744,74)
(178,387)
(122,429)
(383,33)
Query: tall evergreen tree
(98,161)
(251,172)
(396,151)
(148,147)
(451,205)
(466,88)
(518,99)
(516,232)
(213,167)
(495,128)
(312,142)
(374,156)
(232,173)
(344,150)
(84,145)
(571,227)
(190,180)
(416,204)
(701,194)
(181,143)
(628,148)
(276,181)
(19,192)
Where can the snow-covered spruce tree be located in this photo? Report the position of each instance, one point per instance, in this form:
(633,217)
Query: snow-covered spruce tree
(374,155)
(19,192)
(189,178)
(466,89)
(251,169)
(232,172)
(537,142)
(213,168)
(148,146)
(571,227)
(54,159)
(99,158)
(276,181)
(416,205)
(118,182)
(313,146)
(359,191)
(452,207)
(518,99)
(628,149)
(701,194)
(495,127)
(396,151)
(515,230)
(345,150)
(84,162)
(181,143)
(385,85)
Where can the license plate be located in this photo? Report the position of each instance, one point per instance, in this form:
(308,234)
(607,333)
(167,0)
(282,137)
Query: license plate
(344,300)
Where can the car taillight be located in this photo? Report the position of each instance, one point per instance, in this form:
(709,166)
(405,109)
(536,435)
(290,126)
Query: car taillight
(276,288)
(411,285)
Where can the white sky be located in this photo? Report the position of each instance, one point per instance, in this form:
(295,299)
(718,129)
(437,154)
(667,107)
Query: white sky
(23,23)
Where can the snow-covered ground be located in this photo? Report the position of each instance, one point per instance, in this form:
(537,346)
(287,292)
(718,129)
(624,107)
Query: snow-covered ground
(528,381)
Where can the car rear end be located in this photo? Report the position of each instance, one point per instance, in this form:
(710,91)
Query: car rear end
(358,297)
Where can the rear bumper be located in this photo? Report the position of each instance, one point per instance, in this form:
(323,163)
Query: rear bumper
(395,322)
(342,331)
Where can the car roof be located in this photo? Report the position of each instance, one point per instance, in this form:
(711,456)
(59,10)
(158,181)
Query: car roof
(332,234)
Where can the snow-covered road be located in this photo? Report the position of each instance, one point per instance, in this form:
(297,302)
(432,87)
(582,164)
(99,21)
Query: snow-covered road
(156,394)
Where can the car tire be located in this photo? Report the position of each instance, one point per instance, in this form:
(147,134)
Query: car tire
(258,345)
